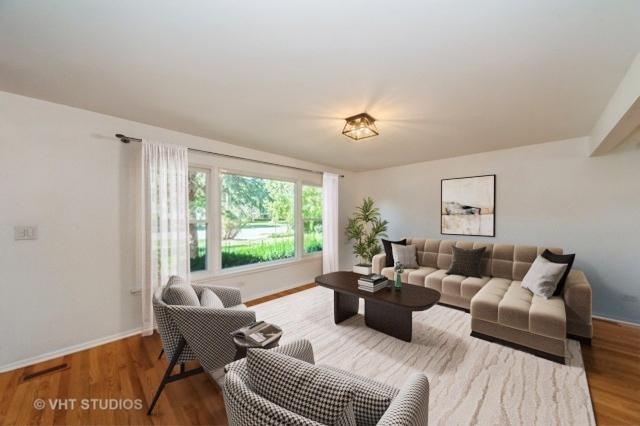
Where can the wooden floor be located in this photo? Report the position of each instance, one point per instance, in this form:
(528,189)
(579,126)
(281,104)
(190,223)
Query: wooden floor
(127,371)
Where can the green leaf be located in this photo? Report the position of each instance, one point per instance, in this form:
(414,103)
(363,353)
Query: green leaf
(365,228)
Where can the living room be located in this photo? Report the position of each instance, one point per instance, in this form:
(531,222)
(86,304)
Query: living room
(340,213)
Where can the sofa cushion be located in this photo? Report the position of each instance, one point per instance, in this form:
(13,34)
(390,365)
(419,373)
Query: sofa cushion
(513,309)
(313,392)
(386,245)
(507,303)
(451,284)
(428,254)
(502,261)
(466,262)
(445,253)
(388,272)
(418,276)
(434,279)
(548,317)
(472,285)
(484,304)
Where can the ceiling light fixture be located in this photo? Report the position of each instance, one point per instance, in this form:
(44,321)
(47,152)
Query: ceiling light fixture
(360,126)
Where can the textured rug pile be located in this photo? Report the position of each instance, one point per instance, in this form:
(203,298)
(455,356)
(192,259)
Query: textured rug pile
(472,381)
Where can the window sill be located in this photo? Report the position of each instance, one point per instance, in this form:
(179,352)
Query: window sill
(253,269)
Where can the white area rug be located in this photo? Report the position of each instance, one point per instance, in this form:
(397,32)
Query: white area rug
(472,382)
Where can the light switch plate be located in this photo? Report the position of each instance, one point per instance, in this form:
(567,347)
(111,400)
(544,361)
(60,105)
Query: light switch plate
(25,232)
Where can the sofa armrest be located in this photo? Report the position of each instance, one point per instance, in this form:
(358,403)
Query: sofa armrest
(230,296)
(411,406)
(577,298)
(378,262)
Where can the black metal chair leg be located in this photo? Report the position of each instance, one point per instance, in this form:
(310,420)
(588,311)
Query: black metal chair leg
(161,352)
(167,373)
(181,367)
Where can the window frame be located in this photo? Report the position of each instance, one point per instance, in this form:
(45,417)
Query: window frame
(214,222)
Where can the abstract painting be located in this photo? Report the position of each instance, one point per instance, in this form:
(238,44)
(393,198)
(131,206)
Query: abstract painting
(468,206)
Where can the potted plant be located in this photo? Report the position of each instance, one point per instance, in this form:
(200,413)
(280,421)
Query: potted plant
(364,229)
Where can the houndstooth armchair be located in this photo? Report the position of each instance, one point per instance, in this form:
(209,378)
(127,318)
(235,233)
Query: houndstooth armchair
(370,402)
(190,331)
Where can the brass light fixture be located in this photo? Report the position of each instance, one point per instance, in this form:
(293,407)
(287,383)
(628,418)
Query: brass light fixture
(360,126)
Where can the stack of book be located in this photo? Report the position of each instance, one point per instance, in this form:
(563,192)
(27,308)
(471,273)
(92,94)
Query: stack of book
(372,283)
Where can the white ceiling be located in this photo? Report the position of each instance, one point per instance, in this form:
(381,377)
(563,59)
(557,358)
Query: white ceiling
(444,78)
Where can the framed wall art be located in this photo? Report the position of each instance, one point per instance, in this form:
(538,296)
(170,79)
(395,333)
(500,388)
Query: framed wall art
(468,206)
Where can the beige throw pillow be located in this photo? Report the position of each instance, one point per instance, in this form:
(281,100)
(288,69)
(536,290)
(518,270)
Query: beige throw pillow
(406,255)
(543,277)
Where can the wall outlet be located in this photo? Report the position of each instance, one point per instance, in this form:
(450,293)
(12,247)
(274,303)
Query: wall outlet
(25,233)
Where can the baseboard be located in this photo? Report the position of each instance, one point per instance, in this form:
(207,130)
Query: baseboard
(68,350)
(617,321)
(273,291)
(454,307)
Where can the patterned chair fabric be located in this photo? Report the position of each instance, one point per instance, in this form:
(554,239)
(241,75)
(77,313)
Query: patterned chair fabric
(206,330)
(377,403)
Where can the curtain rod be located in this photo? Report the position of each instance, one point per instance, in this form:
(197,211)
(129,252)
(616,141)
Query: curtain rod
(127,139)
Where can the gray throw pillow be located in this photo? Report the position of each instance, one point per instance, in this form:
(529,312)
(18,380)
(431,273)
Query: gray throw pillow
(543,277)
(466,262)
(210,300)
(405,255)
(305,389)
(179,292)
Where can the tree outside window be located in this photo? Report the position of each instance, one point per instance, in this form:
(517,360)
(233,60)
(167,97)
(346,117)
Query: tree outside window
(312,218)
(257,220)
(198,219)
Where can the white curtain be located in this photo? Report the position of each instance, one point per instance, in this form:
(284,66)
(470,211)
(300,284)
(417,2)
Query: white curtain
(330,235)
(164,220)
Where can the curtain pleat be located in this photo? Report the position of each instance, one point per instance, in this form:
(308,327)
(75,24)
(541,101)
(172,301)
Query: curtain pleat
(164,221)
(330,233)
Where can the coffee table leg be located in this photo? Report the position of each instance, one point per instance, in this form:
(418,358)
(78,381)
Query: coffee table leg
(388,319)
(344,306)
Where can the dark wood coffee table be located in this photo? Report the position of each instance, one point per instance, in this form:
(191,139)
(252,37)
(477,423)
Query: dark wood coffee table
(387,310)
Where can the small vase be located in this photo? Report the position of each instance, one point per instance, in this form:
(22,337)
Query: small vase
(398,284)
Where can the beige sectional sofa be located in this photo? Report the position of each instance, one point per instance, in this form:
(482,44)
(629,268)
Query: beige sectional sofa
(501,310)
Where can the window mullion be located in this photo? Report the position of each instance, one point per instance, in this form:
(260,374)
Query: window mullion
(299,225)
(216,220)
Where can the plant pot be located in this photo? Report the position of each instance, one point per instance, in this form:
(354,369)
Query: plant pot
(362,269)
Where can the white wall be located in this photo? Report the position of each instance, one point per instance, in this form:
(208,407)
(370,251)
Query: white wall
(550,194)
(62,170)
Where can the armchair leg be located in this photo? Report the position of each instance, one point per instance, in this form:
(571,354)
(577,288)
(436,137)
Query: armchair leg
(168,378)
